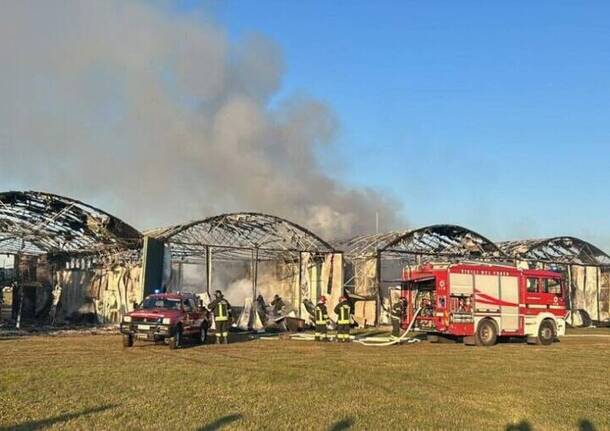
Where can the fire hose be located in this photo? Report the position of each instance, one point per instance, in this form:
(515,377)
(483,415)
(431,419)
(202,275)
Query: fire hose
(395,341)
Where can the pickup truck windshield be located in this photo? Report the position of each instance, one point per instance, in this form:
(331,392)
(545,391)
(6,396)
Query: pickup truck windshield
(170,304)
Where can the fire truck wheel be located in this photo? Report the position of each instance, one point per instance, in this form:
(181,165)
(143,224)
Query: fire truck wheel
(127,340)
(546,333)
(175,342)
(487,334)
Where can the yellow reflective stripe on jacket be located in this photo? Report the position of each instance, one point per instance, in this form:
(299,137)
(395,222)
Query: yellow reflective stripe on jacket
(344,315)
(222,312)
(320,318)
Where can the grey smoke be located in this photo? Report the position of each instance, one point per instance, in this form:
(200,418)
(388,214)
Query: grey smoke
(158,118)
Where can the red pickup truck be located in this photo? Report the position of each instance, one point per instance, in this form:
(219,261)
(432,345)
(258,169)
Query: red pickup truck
(166,317)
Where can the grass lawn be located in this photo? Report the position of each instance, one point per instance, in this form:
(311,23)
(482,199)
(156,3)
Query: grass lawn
(91,382)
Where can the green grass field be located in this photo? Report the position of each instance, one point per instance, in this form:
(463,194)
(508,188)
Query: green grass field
(91,382)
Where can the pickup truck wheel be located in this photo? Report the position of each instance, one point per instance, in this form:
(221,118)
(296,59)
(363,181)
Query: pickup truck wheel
(202,335)
(127,340)
(546,333)
(487,334)
(175,342)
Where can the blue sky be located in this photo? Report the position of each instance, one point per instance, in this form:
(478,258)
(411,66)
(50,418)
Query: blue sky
(491,116)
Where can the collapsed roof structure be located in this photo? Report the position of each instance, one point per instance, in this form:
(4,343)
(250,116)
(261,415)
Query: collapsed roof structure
(58,244)
(435,241)
(237,236)
(36,223)
(442,241)
(563,250)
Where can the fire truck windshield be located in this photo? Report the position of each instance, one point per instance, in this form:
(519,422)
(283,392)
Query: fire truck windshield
(170,304)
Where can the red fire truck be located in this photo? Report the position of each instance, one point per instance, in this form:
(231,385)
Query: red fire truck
(479,303)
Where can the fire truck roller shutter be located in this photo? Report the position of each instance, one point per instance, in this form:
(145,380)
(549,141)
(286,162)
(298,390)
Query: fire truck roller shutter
(487,295)
(509,293)
(461,284)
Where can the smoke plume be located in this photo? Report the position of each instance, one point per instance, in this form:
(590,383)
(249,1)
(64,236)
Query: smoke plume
(158,118)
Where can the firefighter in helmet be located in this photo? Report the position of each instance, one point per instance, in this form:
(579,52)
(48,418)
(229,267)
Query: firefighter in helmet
(321,315)
(343,311)
(399,311)
(222,311)
(278,305)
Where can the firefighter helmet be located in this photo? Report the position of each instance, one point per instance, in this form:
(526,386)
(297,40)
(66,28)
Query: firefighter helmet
(322,299)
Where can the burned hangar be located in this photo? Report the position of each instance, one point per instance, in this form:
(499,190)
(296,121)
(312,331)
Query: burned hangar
(79,263)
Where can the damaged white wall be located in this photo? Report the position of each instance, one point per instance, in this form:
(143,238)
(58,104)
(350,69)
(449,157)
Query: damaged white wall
(590,287)
(105,293)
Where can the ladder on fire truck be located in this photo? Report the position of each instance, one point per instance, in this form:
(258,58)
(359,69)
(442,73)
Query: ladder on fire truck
(395,341)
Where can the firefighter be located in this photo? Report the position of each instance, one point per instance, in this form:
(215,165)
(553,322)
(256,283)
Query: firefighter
(278,305)
(222,312)
(343,310)
(55,297)
(399,310)
(321,316)
(261,309)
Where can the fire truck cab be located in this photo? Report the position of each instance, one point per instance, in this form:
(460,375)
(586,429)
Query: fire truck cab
(479,302)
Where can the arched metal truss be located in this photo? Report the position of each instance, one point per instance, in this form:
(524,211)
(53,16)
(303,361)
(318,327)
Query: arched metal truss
(442,241)
(366,246)
(236,236)
(35,223)
(380,258)
(564,250)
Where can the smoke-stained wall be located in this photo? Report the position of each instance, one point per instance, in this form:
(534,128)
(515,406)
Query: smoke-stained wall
(590,287)
(100,295)
(365,284)
(604,294)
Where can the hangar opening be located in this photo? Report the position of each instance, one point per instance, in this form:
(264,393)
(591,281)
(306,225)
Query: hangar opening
(250,257)
(375,263)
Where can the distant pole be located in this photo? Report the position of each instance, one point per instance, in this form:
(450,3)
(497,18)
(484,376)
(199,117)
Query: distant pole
(570,302)
(597,271)
(18,288)
(254,273)
(300,285)
(379,294)
(208,268)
